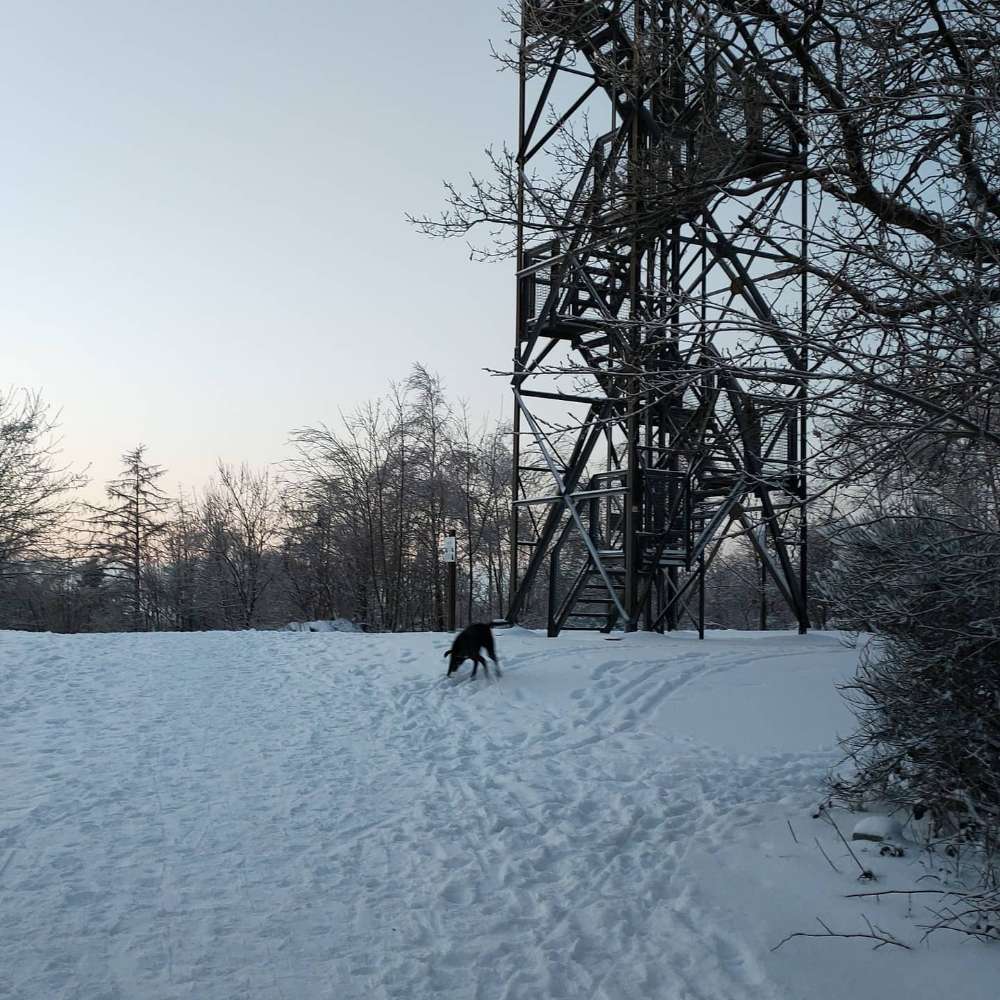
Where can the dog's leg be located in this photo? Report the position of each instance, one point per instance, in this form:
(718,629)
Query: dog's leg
(475,667)
(492,652)
(496,663)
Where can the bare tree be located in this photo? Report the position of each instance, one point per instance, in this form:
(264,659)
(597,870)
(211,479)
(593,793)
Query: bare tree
(431,416)
(345,480)
(310,554)
(35,490)
(371,502)
(242,515)
(182,572)
(480,465)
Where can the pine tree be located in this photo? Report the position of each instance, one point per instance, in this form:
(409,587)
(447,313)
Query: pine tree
(129,526)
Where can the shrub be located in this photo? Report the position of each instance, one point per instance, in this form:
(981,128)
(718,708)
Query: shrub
(927,692)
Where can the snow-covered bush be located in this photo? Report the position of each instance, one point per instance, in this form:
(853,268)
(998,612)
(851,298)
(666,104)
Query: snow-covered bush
(927,691)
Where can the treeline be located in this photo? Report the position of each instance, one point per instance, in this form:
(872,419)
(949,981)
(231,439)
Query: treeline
(350,526)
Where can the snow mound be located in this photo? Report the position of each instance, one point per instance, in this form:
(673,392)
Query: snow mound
(877,828)
(331,625)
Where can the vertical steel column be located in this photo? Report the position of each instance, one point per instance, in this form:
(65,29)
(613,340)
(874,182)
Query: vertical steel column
(515,533)
(803,415)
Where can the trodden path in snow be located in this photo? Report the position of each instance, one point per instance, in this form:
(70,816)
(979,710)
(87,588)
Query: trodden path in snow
(297,816)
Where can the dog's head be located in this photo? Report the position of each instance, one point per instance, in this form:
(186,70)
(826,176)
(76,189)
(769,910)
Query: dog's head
(455,660)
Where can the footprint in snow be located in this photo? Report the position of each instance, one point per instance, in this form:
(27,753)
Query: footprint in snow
(457,893)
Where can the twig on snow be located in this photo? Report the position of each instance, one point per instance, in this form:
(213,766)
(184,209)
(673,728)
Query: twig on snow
(867,874)
(875,933)
(827,856)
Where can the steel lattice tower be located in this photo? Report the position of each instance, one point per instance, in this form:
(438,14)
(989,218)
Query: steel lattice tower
(660,364)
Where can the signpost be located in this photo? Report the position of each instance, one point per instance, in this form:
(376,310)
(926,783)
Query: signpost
(449,553)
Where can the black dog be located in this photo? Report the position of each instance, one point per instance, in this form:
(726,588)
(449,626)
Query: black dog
(467,645)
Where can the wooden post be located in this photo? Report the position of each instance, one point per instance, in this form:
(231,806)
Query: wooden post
(763,595)
(701,595)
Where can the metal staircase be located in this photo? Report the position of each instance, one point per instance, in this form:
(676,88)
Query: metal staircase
(661,433)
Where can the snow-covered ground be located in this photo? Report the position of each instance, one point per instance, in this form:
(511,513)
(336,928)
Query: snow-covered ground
(298,816)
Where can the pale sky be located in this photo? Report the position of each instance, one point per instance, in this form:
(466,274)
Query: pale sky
(202,206)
